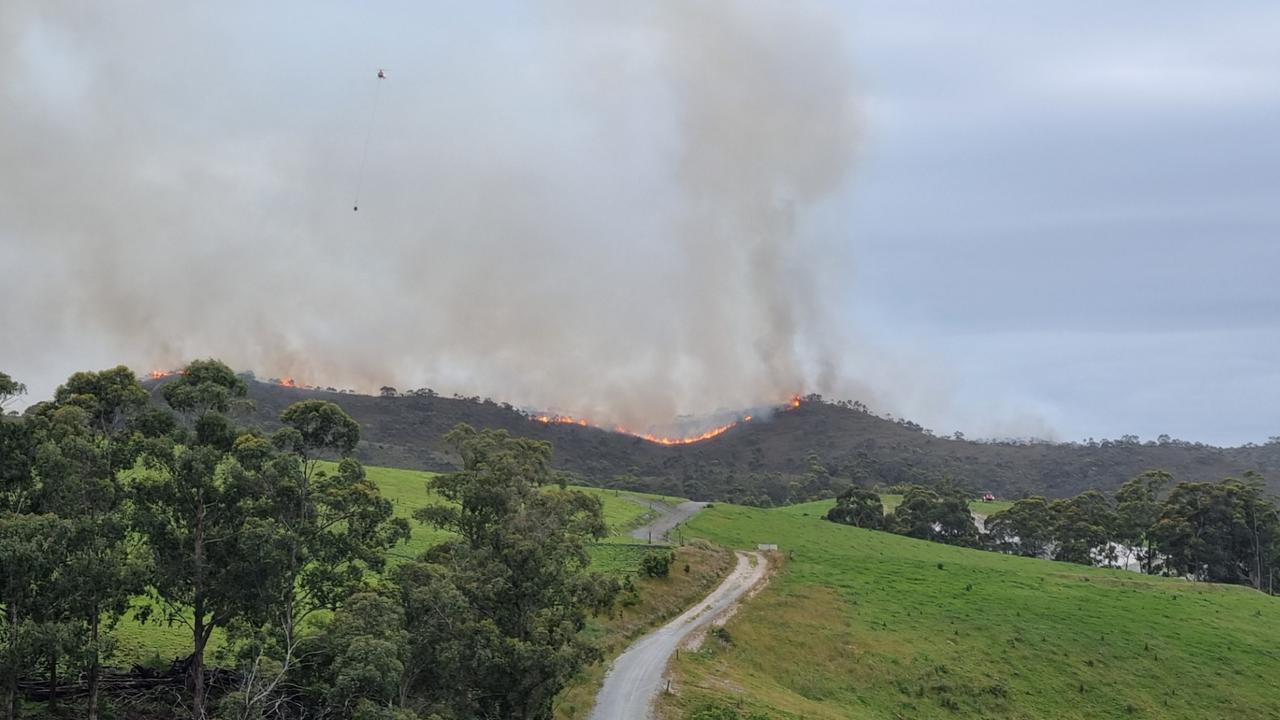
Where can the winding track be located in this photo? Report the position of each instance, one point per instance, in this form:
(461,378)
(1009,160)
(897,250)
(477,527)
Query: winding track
(669,516)
(635,678)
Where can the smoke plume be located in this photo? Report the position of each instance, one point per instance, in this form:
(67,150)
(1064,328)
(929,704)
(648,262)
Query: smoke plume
(585,210)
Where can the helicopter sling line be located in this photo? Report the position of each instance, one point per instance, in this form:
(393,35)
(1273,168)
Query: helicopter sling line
(364,155)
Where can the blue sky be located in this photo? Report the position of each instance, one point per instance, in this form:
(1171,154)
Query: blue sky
(1058,218)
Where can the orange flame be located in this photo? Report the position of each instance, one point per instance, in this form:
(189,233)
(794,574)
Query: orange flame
(706,435)
(288,382)
(650,437)
(658,439)
(162,374)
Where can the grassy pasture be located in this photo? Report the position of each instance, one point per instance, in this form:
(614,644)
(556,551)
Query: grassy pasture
(407,490)
(863,624)
(890,502)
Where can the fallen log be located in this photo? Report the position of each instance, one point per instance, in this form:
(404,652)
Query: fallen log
(117,683)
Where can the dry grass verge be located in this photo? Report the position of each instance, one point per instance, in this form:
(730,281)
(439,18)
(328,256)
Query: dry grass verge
(655,601)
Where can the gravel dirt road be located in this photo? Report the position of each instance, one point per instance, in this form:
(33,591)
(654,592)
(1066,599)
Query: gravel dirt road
(635,678)
(668,517)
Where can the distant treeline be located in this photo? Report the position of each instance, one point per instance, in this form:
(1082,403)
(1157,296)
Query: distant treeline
(1126,440)
(112,506)
(1226,532)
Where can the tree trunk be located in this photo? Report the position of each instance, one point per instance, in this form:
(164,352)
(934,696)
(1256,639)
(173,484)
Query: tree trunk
(197,670)
(1257,555)
(11,687)
(198,625)
(53,681)
(95,671)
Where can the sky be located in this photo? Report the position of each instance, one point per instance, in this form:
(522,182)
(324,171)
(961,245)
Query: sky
(1070,210)
(1055,219)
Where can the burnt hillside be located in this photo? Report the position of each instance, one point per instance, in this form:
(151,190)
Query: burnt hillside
(800,453)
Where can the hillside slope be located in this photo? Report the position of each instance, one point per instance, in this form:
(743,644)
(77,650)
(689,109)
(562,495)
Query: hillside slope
(863,624)
(765,456)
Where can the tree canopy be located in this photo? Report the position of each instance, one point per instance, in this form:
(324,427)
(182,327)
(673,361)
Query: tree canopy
(859,507)
(515,577)
(1227,531)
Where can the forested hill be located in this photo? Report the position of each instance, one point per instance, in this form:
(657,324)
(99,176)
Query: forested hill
(798,454)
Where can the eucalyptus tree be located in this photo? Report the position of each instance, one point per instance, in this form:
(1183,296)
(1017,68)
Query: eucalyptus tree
(213,545)
(85,442)
(331,526)
(1083,527)
(940,514)
(496,613)
(32,551)
(859,507)
(1137,510)
(10,389)
(1025,528)
(1221,532)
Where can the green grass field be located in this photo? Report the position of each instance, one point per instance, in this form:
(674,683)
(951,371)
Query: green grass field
(890,502)
(407,490)
(623,511)
(863,624)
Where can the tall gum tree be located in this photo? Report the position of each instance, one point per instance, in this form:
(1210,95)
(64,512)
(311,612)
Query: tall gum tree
(210,536)
(332,526)
(1137,510)
(85,442)
(33,548)
(516,575)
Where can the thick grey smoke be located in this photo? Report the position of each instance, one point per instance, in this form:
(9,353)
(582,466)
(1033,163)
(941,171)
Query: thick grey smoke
(584,210)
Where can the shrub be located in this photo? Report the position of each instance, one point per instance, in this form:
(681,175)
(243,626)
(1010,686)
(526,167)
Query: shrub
(657,565)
